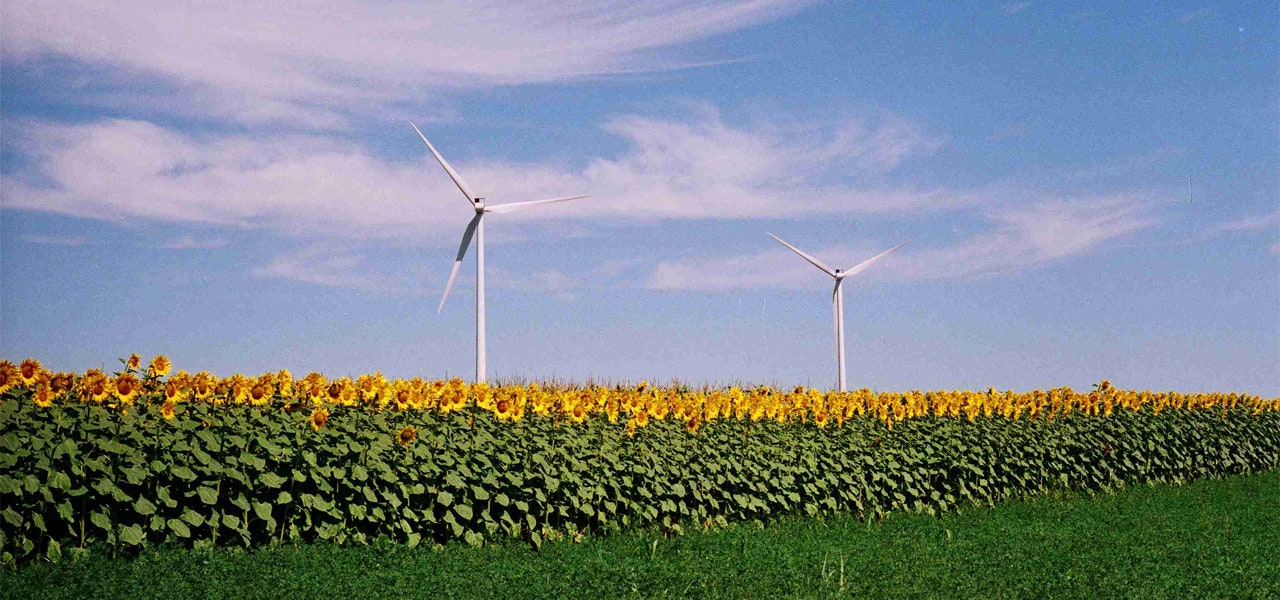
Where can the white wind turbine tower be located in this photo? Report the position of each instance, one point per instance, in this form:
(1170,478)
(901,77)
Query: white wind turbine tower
(837,295)
(476,227)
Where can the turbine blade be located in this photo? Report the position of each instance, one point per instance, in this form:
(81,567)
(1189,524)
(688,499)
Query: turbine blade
(515,206)
(813,261)
(457,262)
(457,179)
(867,263)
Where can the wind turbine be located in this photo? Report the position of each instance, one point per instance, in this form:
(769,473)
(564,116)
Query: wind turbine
(476,228)
(837,295)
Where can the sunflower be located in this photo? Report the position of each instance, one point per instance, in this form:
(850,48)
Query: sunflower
(62,382)
(160,366)
(126,388)
(166,410)
(407,435)
(261,392)
(43,396)
(95,386)
(29,370)
(9,376)
(133,363)
(284,381)
(204,384)
(504,409)
(174,391)
(235,388)
(692,424)
(318,418)
(579,413)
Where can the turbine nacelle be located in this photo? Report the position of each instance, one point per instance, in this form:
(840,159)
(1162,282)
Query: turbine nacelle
(478,203)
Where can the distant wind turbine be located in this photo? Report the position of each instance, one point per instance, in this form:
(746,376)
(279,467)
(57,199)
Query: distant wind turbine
(837,295)
(476,228)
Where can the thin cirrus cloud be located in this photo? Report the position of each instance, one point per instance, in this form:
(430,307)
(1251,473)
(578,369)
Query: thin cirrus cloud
(314,64)
(310,185)
(1020,236)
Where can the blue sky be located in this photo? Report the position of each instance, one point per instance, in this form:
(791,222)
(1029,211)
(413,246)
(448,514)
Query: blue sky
(1092,191)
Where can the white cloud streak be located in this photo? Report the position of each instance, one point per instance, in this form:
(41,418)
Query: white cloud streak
(53,240)
(188,242)
(306,185)
(1021,237)
(310,63)
(1252,223)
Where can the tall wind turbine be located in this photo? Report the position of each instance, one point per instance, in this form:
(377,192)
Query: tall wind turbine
(837,295)
(476,228)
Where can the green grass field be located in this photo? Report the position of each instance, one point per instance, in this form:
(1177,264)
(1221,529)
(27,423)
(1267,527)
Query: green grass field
(1211,539)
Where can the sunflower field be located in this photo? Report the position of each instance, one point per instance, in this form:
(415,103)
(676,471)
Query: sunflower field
(149,456)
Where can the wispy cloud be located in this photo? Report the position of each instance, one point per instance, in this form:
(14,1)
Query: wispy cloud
(1251,223)
(335,267)
(1013,8)
(311,63)
(53,240)
(188,242)
(1018,237)
(699,168)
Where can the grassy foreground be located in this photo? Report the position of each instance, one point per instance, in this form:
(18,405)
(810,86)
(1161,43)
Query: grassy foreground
(1208,539)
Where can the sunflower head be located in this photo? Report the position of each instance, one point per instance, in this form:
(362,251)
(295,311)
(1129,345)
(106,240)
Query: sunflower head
(407,435)
(174,391)
(284,381)
(126,388)
(29,371)
(62,382)
(160,366)
(261,391)
(166,410)
(43,396)
(9,376)
(319,417)
(203,384)
(692,424)
(133,363)
(503,409)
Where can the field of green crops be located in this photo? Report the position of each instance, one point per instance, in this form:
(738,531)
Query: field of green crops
(125,466)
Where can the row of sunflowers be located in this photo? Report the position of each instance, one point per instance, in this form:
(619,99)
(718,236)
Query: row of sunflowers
(635,404)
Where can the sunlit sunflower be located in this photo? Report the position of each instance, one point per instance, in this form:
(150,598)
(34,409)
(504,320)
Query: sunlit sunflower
(43,396)
(319,417)
(166,410)
(284,383)
(579,413)
(160,366)
(95,386)
(126,388)
(29,371)
(9,376)
(203,384)
(336,391)
(62,382)
(504,409)
(407,435)
(174,391)
(133,363)
(261,392)
(692,424)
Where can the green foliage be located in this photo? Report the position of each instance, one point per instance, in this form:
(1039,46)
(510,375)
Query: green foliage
(1211,539)
(75,475)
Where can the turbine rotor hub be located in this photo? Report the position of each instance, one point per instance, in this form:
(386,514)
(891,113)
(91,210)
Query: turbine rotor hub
(479,204)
